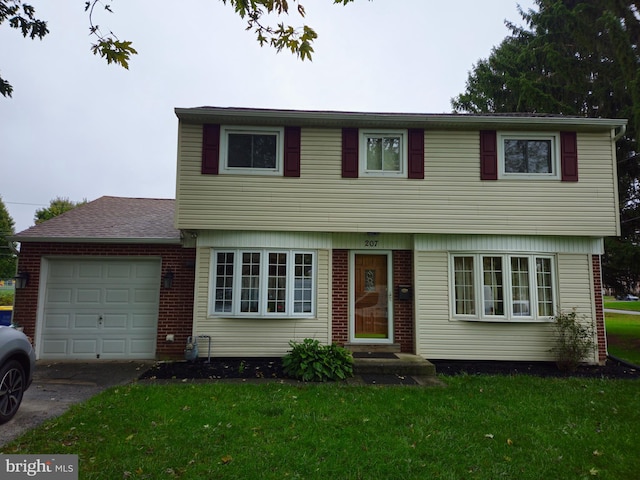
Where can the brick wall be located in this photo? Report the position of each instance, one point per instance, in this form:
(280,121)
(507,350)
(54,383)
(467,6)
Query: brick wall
(175,313)
(600,327)
(340,300)
(403,327)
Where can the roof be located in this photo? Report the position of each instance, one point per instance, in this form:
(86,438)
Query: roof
(109,220)
(318,118)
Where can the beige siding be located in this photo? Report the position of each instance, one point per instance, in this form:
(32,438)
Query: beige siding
(231,337)
(440,337)
(451,198)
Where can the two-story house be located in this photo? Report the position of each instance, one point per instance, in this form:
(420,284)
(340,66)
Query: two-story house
(449,236)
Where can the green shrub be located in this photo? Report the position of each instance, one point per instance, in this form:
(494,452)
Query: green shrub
(6,298)
(574,340)
(312,362)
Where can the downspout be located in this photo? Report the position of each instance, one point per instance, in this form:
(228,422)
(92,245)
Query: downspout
(621,132)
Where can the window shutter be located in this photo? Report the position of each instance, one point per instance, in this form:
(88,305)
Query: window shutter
(416,153)
(488,155)
(210,149)
(569,156)
(292,151)
(350,153)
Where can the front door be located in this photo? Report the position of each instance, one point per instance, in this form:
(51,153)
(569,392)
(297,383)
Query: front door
(371,297)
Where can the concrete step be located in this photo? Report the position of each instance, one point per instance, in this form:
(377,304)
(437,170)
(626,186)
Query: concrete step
(404,364)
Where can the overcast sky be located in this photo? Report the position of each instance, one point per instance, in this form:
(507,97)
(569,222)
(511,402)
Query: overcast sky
(80,129)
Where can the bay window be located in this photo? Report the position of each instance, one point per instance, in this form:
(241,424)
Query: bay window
(263,283)
(503,287)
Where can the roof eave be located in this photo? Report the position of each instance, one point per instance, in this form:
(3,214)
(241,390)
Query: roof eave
(408,120)
(147,241)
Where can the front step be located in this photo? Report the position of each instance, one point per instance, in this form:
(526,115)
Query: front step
(373,347)
(405,364)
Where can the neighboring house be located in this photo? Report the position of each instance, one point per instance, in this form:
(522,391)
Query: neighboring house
(449,236)
(110,279)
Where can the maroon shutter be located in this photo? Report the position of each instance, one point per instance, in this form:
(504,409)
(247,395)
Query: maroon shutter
(416,153)
(210,149)
(569,156)
(292,152)
(488,155)
(350,152)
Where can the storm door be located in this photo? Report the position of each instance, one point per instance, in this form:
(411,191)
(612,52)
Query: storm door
(371,321)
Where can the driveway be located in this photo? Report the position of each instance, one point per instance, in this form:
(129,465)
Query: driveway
(58,385)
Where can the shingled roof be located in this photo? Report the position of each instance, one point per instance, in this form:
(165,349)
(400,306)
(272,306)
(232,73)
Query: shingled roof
(111,220)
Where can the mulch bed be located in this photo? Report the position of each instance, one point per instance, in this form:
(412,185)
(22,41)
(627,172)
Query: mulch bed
(271,368)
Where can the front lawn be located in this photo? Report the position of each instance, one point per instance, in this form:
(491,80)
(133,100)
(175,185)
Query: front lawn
(513,427)
(612,303)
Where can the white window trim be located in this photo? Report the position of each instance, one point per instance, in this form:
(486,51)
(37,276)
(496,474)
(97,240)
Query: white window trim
(508,316)
(362,160)
(264,272)
(225,130)
(555,155)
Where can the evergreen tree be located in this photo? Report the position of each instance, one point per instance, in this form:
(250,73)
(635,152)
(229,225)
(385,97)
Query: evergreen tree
(575,57)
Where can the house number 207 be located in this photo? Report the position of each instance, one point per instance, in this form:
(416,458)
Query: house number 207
(371,243)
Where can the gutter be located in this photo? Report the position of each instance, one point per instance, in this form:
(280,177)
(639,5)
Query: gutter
(146,241)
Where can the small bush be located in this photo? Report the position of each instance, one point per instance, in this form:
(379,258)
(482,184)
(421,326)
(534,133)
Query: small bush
(6,298)
(574,341)
(310,361)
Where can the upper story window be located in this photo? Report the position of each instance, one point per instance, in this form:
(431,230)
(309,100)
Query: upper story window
(383,153)
(254,150)
(529,155)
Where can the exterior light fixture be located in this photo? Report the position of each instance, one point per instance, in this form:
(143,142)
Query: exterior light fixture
(167,280)
(21,279)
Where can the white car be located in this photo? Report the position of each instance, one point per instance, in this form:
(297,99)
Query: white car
(17,362)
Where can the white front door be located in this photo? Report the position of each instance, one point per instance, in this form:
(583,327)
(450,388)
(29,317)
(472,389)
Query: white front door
(105,309)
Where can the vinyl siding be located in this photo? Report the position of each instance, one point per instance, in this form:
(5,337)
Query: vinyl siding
(451,198)
(440,337)
(232,337)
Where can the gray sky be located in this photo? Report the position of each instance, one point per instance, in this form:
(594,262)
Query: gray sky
(78,128)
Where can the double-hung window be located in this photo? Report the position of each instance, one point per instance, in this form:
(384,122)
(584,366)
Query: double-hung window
(256,150)
(263,283)
(503,287)
(383,153)
(529,155)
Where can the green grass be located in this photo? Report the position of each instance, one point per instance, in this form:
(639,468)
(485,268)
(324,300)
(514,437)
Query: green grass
(623,332)
(478,427)
(612,303)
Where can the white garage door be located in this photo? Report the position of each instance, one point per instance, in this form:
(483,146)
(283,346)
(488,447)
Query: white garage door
(106,309)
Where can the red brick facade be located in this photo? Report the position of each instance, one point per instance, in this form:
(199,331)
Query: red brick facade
(175,315)
(600,327)
(403,331)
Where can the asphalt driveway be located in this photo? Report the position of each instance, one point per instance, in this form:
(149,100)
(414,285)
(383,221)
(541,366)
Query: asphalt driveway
(58,385)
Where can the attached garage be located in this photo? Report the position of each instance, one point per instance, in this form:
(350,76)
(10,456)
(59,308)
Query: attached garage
(110,280)
(104,308)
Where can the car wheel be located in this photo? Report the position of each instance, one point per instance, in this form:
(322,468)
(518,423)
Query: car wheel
(12,385)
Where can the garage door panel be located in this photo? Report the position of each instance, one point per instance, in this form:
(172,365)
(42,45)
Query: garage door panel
(89,296)
(116,321)
(84,346)
(62,296)
(101,308)
(86,320)
(57,321)
(117,295)
(55,348)
(118,271)
(114,346)
(90,271)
